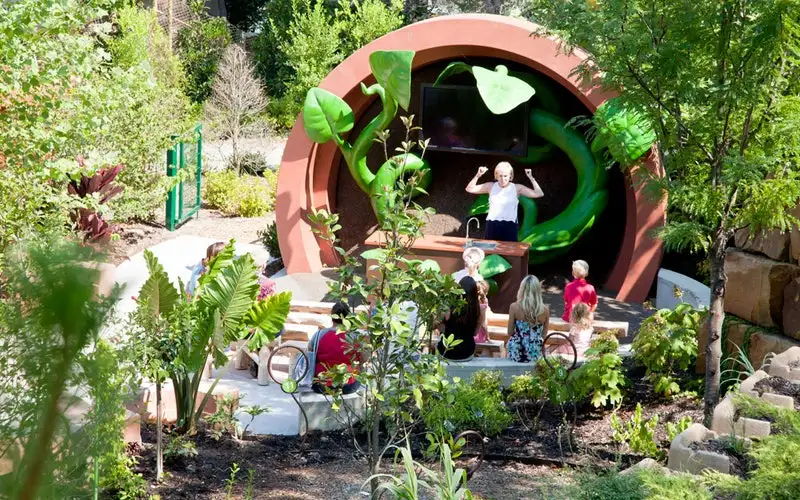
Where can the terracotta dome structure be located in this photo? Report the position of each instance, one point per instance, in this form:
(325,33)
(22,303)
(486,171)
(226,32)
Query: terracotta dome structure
(309,172)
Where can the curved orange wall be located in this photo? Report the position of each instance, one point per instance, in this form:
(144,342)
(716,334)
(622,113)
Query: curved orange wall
(308,171)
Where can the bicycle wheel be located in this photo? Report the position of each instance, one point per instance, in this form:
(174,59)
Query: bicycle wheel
(559,352)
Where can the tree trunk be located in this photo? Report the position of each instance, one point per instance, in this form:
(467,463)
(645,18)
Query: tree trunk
(159,447)
(716,316)
(374,452)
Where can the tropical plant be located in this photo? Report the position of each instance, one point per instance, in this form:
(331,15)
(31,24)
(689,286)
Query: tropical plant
(224,308)
(180,448)
(667,343)
(718,81)
(601,375)
(399,380)
(99,187)
(451,484)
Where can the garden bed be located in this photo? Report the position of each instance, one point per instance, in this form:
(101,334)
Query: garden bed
(325,465)
(725,446)
(780,386)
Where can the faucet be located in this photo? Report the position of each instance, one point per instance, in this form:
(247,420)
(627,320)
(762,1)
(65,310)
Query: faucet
(476,221)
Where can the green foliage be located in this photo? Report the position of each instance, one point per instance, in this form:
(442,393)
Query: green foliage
(302,40)
(784,420)
(450,484)
(392,70)
(269,238)
(182,335)
(666,343)
(251,163)
(777,476)
(673,429)
(50,346)
(180,448)
(493,265)
(601,375)
(399,380)
(224,419)
(609,485)
(200,46)
(244,196)
(475,406)
(326,115)
(638,433)
(625,132)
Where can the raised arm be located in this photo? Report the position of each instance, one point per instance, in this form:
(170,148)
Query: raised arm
(474,188)
(536,192)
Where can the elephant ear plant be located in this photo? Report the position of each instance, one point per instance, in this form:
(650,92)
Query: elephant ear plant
(224,308)
(327,117)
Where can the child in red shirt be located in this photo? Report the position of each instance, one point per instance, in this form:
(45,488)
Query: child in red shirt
(579,290)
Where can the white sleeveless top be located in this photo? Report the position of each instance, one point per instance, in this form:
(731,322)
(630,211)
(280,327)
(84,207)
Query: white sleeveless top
(503,203)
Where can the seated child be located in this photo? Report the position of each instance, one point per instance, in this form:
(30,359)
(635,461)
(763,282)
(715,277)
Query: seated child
(200,267)
(580,327)
(482,332)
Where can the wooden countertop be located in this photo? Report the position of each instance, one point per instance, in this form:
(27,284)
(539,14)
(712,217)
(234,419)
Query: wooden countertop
(455,244)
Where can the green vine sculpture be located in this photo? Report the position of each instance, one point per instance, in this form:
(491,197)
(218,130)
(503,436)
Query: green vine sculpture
(326,117)
(623,133)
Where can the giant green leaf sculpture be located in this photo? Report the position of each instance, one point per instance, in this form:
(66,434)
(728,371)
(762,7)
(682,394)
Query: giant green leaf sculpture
(326,117)
(624,133)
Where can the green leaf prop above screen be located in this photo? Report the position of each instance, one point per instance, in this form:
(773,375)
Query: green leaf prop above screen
(500,91)
(325,115)
(392,70)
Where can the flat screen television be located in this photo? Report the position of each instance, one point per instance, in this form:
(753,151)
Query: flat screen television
(455,118)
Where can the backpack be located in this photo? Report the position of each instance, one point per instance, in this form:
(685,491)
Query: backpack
(308,361)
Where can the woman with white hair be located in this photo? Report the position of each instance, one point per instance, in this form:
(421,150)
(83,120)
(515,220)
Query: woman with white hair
(528,321)
(501,221)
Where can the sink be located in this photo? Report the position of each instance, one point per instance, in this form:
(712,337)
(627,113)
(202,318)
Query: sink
(484,245)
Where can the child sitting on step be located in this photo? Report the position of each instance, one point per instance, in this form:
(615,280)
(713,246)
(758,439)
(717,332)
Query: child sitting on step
(482,332)
(580,327)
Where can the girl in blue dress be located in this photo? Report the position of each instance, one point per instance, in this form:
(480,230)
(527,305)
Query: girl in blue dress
(528,322)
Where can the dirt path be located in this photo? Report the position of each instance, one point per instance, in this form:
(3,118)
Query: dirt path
(209,223)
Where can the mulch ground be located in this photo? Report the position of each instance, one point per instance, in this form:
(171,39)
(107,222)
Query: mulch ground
(326,465)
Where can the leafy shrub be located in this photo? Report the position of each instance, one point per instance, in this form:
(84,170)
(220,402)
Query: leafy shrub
(777,475)
(244,196)
(302,40)
(601,375)
(251,163)
(200,46)
(180,448)
(146,107)
(526,387)
(609,485)
(667,342)
(487,381)
(269,238)
(644,484)
(673,429)
(784,420)
(471,406)
(638,433)
(224,419)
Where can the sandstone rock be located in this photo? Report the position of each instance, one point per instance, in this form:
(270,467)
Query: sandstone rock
(791,309)
(755,287)
(774,244)
(762,342)
(758,341)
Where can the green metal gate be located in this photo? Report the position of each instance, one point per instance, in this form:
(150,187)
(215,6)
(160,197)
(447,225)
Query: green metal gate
(185,161)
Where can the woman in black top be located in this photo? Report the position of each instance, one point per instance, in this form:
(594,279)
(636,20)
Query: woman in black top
(462,324)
